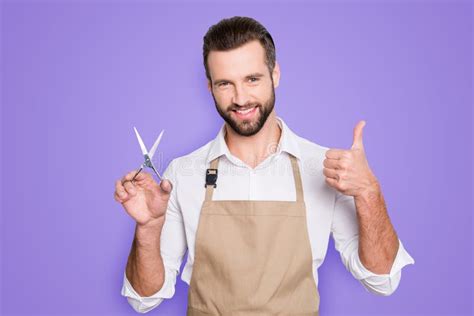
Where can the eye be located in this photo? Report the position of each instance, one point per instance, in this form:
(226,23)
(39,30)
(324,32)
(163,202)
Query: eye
(223,84)
(253,79)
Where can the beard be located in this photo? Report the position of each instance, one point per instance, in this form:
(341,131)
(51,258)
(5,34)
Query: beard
(247,127)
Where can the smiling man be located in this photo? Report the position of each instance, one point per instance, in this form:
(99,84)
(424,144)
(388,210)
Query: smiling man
(258,207)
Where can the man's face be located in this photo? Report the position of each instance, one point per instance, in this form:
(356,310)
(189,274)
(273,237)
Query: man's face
(242,87)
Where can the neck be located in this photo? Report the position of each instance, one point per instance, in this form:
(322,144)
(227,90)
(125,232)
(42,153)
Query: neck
(254,149)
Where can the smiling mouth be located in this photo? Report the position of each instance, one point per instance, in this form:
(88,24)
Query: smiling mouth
(245,113)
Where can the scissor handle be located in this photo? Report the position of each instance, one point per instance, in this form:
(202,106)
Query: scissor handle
(136,174)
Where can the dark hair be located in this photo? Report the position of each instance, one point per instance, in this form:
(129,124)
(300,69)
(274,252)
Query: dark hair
(234,32)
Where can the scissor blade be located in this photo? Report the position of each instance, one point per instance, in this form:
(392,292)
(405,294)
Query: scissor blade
(155,145)
(156,171)
(140,141)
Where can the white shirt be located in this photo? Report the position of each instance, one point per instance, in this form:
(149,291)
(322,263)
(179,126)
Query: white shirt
(327,210)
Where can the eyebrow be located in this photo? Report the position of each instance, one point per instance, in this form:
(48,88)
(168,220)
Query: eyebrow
(255,74)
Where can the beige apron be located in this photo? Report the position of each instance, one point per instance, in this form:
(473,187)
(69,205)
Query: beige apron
(253,257)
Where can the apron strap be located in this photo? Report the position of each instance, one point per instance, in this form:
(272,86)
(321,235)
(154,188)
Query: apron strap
(296,178)
(210,188)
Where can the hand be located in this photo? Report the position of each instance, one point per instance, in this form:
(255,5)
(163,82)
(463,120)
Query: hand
(143,199)
(348,170)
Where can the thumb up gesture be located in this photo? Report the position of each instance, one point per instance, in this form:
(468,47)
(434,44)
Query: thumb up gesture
(347,170)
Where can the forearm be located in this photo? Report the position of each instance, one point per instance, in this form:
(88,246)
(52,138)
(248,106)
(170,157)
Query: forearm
(378,241)
(145,269)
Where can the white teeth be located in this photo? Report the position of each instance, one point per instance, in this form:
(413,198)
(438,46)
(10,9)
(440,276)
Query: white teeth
(245,111)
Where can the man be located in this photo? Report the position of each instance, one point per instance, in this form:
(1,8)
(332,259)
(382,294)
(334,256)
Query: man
(256,205)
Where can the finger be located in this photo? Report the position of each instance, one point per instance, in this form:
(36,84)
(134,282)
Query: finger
(357,140)
(331,173)
(120,190)
(335,153)
(166,186)
(117,198)
(331,182)
(331,163)
(129,176)
(142,176)
(130,188)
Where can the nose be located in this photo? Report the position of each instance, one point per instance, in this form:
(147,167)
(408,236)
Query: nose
(241,96)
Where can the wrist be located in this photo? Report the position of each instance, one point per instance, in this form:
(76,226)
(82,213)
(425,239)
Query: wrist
(151,230)
(153,223)
(370,192)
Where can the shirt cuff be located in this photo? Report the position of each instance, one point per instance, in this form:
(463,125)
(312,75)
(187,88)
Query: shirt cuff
(382,284)
(144,304)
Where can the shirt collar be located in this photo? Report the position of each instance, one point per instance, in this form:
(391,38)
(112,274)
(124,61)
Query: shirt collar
(287,143)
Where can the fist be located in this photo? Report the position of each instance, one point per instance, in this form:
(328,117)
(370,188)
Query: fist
(143,199)
(348,170)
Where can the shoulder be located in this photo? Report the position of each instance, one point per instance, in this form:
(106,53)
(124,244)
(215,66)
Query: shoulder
(311,166)
(312,155)
(310,149)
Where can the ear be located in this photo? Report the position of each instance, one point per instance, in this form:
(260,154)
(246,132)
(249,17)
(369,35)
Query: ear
(276,74)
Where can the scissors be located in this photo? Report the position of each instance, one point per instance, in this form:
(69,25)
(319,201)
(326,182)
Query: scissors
(148,154)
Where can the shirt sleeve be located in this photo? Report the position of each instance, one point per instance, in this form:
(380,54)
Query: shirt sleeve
(345,232)
(173,246)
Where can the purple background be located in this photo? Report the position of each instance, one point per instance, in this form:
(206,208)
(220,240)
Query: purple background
(77,76)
